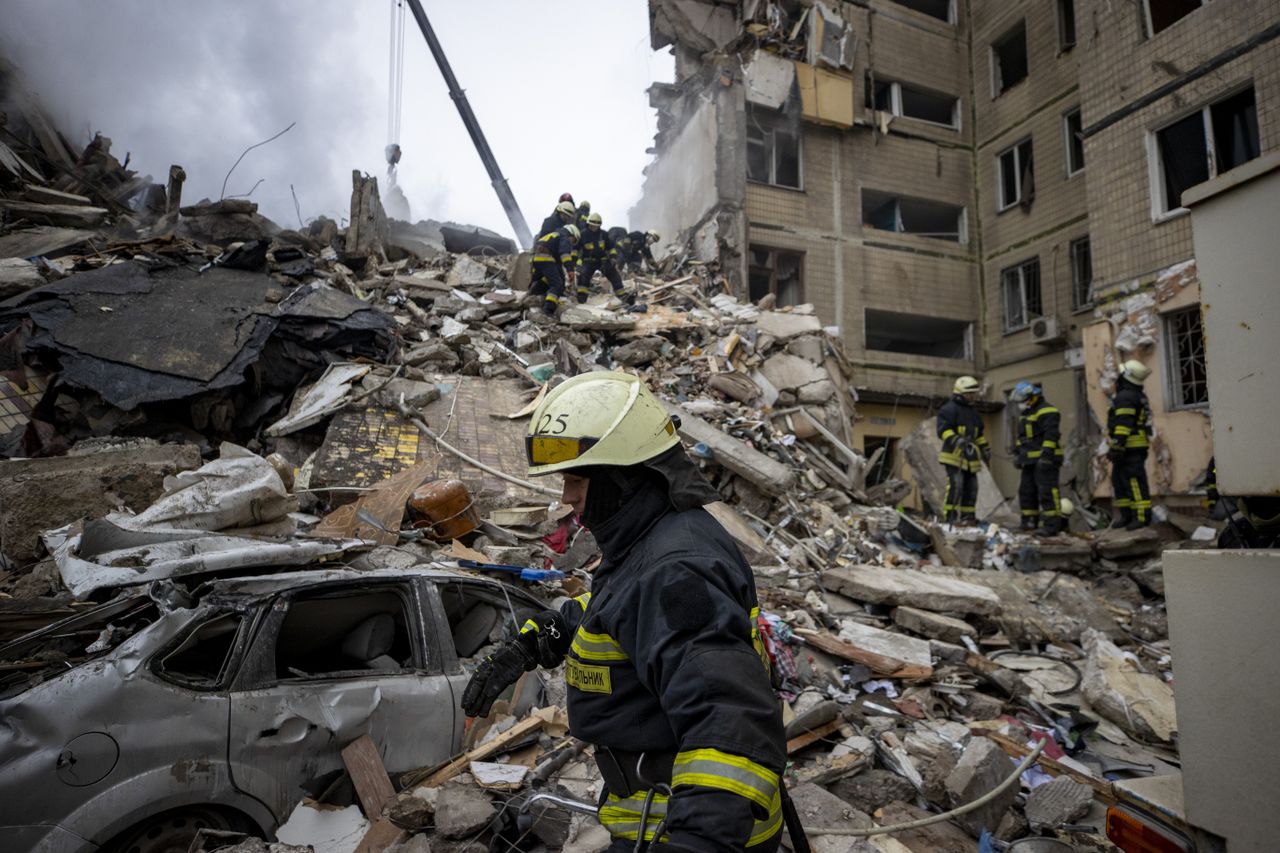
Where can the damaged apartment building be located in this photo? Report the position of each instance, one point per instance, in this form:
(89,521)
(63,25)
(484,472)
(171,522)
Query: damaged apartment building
(971,186)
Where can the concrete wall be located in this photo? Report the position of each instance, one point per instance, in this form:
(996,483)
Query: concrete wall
(885,421)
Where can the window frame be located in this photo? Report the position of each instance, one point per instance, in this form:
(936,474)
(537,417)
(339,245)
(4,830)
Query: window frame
(951,12)
(1014,149)
(230,665)
(1172,361)
(895,103)
(774,251)
(1027,317)
(1160,209)
(962,217)
(1065,46)
(1077,305)
(994,59)
(1066,142)
(1148,30)
(770,131)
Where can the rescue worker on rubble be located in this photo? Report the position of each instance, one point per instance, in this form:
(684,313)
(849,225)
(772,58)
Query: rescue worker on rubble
(634,251)
(583,212)
(599,253)
(554,258)
(564,214)
(665,670)
(964,449)
(1128,435)
(1039,456)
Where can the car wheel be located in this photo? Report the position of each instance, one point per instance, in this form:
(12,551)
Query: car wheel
(172,831)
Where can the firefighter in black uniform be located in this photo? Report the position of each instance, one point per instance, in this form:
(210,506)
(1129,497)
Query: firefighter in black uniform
(555,255)
(1129,437)
(634,251)
(964,449)
(599,253)
(666,672)
(564,214)
(1252,522)
(1039,446)
(582,214)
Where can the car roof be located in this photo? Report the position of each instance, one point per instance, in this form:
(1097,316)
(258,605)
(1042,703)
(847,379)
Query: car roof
(281,581)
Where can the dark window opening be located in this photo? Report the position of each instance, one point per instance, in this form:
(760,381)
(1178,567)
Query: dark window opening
(1074,142)
(1210,141)
(879,96)
(776,272)
(1081,273)
(928,106)
(922,217)
(201,659)
(1009,58)
(480,617)
(915,334)
(1162,14)
(344,633)
(1016,175)
(1184,338)
(883,468)
(1021,286)
(943,10)
(773,152)
(1066,25)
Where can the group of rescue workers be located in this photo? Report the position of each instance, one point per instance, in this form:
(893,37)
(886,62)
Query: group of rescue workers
(572,246)
(1038,448)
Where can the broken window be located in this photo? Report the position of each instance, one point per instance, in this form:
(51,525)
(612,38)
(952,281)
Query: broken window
(1021,286)
(943,10)
(201,659)
(883,468)
(1184,349)
(910,101)
(1073,141)
(1162,14)
(777,272)
(915,334)
(1066,25)
(1009,59)
(1081,273)
(1206,143)
(348,633)
(923,217)
(1015,172)
(773,151)
(479,616)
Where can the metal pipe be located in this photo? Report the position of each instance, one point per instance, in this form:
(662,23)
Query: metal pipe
(500,186)
(563,802)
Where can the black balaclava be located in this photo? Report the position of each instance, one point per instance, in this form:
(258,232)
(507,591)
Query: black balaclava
(671,471)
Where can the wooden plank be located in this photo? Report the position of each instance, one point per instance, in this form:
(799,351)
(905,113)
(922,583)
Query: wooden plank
(372,784)
(427,779)
(73,215)
(380,836)
(45,195)
(879,664)
(812,736)
(1101,788)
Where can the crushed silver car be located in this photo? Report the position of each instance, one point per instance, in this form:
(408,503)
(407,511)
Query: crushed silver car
(130,726)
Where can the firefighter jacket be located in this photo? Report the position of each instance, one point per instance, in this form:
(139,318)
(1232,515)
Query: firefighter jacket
(963,441)
(666,660)
(551,223)
(555,247)
(598,246)
(1129,419)
(1039,432)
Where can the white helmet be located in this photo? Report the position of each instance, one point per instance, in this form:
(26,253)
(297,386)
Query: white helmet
(1135,371)
(601,418)
(1066,507)
(965,385)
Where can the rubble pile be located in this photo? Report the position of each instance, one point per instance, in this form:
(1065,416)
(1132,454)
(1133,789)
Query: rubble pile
(241,396)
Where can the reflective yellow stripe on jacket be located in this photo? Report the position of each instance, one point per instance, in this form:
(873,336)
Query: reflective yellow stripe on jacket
(589,646)
(736,774)
(621,817)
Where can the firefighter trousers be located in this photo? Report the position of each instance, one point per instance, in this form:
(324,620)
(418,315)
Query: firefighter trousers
(588,270)
(1129,485)
(1038,494)
(962,493)
(547,280)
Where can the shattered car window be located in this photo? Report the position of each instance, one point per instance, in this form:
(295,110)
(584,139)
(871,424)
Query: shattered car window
(202,658)
(480,616)
(344,633)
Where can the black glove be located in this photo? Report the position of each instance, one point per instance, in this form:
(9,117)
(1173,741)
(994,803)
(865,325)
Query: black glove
(495,674)
(551,639)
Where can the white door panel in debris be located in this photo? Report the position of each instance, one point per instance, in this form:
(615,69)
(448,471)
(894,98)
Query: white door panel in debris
(327,666)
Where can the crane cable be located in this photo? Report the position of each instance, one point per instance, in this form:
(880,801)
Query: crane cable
(395,86)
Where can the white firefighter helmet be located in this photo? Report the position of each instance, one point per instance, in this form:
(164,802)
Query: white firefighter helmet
(1135,371)
(601,418)
(965,385)
(566,209)
(1066,507)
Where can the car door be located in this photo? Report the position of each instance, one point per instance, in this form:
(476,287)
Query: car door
(318,676)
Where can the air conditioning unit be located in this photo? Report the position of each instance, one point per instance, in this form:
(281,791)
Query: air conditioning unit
(1045,331)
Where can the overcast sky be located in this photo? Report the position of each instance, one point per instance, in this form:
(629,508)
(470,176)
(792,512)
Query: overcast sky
(559,89)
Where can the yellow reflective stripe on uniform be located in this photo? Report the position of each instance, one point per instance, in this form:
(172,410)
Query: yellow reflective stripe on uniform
(737,774)
(583,600)
(621,817)
(765,829)
(528,626)
(947,433)
(1121,429)
(589,646)
(1124,411)
(1033,454)
(1050,444)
